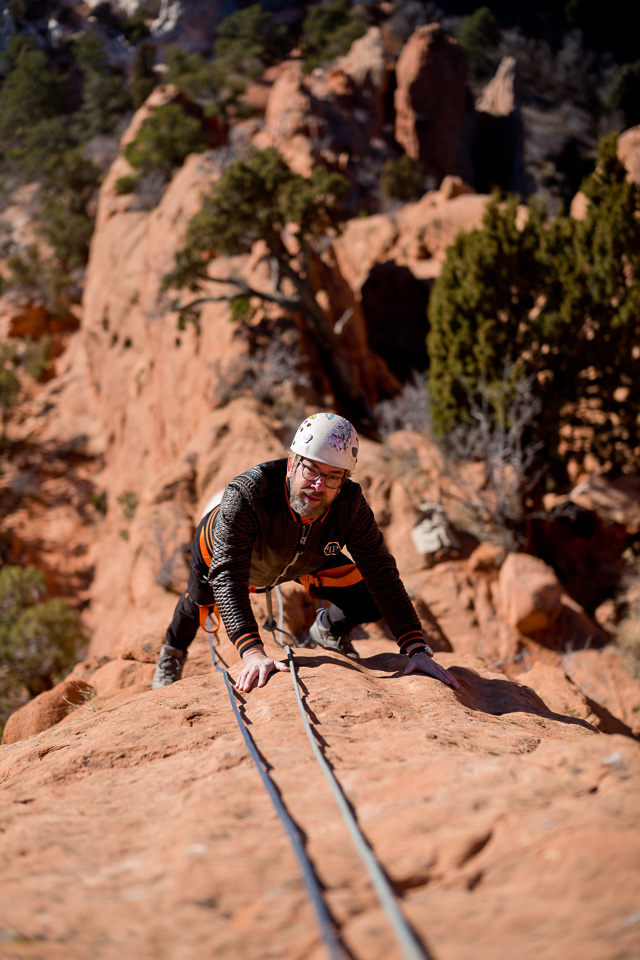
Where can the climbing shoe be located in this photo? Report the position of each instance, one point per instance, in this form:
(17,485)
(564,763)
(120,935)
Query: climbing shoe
(321,634)
(169,667)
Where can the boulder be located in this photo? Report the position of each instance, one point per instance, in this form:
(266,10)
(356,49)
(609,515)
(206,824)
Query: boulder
(486,558)
(431,103)
(417,237)
(46,710)
(529,593)
(629,152)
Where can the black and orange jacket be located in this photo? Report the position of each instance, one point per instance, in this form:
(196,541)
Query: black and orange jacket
(255,538)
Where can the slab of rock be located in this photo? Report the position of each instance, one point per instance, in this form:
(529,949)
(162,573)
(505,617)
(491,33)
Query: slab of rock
(289,121)
(500,820)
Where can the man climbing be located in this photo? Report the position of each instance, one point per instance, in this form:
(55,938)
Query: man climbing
(290,519)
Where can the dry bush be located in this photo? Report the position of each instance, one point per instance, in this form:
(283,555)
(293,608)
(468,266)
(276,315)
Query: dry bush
(495,439)
(627,636)
(408,410)
(267,373)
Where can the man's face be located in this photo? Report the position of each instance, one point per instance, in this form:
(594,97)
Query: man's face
(311,497)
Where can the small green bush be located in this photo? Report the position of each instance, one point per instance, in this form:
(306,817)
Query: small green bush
(623,96)
(135,27)
(32,91)
(192,73)
(128,500)
(249,39)
(105,101)
(37,357)
(143,78)
(402,179)
(126,184)
(39,638)
(10,388)
(240,308)
(328,32)
(479,35)
(165,139)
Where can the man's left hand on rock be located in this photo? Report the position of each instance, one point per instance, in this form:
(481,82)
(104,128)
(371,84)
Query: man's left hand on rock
(423,663)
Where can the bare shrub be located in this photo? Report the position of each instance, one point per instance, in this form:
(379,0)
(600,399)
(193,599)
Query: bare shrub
(408,410)
(627,636)
(495,438)
(264,374)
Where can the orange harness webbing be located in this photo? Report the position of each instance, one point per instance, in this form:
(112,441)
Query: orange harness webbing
(345,576)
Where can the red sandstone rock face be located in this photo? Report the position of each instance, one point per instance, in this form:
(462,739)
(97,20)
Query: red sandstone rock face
(501,819)
(431,102)
(417,236)
(331,116)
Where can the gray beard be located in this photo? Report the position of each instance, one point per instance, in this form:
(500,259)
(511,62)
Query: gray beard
(304,509)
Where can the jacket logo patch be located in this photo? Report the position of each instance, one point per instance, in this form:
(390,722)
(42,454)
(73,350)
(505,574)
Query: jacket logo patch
(332,548)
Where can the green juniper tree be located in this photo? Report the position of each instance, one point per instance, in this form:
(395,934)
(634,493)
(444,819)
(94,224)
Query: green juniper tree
(479,35)
(166,138)
(10,388)
(260,198)
(328,31)
(248,41)
(559,301)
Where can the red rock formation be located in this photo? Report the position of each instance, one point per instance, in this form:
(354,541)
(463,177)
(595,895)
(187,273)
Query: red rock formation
(136,826)
(431,103)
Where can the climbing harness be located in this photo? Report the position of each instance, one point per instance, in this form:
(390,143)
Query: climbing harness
(411,947)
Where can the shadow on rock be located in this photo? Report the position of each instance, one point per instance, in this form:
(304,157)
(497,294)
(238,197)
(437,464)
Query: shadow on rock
(498,697)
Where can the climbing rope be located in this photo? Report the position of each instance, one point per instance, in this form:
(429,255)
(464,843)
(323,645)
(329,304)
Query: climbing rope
(322,914)
(409,943)
(405,936)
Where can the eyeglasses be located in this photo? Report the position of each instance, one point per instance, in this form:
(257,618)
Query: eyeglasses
(312,474)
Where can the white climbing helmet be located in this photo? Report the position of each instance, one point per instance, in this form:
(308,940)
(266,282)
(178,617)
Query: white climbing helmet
(329,439)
